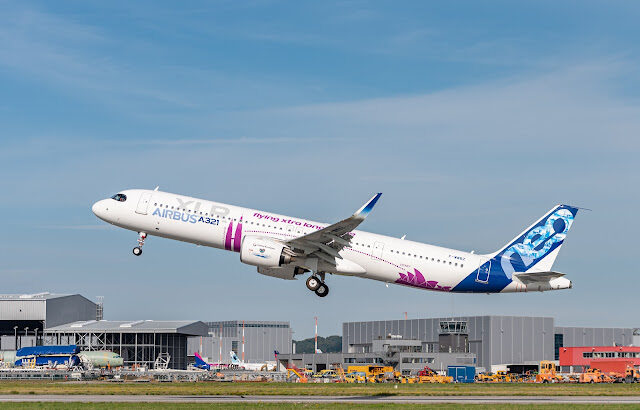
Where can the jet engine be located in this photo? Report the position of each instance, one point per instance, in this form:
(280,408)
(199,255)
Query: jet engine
(264,252)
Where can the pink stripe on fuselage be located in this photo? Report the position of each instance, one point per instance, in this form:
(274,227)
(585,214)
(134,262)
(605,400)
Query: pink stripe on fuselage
(227,239)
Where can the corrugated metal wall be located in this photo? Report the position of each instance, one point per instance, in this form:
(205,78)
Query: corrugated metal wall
(69,309)
(261,340)
(23,309)
(585,336)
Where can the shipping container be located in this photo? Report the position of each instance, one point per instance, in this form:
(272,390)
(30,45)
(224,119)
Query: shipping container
(462,374)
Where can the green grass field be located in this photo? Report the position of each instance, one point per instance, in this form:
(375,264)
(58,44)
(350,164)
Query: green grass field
(333,389)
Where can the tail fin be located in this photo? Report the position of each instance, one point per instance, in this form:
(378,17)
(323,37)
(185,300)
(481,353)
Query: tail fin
(234,357)
(537,247)
(200,362)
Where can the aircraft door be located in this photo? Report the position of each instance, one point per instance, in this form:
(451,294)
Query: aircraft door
(376,253)
(143,203)
(484,269)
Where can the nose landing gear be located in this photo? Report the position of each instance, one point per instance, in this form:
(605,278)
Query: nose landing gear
(316,284)
(138,249)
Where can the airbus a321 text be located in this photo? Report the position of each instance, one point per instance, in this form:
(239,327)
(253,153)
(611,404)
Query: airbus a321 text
(286,247)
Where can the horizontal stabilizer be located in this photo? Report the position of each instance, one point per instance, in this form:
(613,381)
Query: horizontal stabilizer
(537,277)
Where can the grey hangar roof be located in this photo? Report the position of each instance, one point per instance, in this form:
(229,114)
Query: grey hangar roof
(187,327)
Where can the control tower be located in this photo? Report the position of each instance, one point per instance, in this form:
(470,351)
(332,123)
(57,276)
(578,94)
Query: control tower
(453,336)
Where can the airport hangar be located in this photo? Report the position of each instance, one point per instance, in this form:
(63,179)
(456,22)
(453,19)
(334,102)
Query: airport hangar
(517,343)
(485,341)
(48,319)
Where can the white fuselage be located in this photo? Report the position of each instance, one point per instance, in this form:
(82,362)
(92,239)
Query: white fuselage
(223,226)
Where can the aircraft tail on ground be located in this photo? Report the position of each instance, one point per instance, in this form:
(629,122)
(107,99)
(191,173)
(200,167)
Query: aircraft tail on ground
(200,363)
(234,357)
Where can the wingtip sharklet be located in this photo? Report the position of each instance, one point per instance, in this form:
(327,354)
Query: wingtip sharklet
(366,208)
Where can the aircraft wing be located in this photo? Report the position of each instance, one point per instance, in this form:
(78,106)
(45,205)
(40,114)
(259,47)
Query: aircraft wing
(537,277)
(327,242)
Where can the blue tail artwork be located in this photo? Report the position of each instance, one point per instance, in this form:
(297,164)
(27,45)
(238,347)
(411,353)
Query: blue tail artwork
(201,364)
(536,247)
(234,357)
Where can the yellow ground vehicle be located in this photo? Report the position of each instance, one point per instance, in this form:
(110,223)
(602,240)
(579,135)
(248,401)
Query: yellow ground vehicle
(547,373)
(355,377)
(374,373)
(486,377)
(595,376)
(502,376)
(631,375)
(326,373)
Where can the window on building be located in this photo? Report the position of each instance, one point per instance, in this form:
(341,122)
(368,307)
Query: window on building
(558,342)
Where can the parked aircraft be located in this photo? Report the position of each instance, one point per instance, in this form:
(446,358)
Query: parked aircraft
(101,358)
(202,364)
(255,367)
(284,247)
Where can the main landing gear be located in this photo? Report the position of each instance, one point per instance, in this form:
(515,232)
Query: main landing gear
(138,249)
(316,284)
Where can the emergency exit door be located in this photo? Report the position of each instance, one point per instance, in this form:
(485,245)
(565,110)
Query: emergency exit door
(143,203)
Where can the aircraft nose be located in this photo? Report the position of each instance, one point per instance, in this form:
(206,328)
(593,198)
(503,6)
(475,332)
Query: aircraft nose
(99,209)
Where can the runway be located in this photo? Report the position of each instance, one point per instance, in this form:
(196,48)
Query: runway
(68,398)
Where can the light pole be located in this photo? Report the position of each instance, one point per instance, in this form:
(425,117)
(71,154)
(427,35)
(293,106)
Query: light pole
(36,335)
(15,331)
(211,334)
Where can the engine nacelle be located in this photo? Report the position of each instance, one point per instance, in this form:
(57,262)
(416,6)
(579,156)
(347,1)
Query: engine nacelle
(266,252)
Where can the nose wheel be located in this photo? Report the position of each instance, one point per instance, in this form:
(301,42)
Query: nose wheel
(138,249)
(317,285)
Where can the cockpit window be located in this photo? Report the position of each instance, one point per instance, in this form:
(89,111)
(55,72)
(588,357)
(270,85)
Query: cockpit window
(119,197)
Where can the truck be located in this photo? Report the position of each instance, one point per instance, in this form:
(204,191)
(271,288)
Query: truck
(595,376)
(547,373)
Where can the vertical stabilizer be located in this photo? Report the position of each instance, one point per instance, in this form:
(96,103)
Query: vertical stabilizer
(537,247)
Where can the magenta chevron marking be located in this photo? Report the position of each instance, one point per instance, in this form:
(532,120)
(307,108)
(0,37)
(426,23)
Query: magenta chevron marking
(237,239)
(227,239)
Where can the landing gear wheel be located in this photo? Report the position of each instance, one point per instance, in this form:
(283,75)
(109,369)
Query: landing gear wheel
(323,290)
(313,283)
(138,249)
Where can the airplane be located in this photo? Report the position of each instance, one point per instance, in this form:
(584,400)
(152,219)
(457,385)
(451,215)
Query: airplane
(101,358)
(284,247)
(201,364)
(241,364)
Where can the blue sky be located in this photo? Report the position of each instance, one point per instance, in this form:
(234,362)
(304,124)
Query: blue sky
(473,119)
